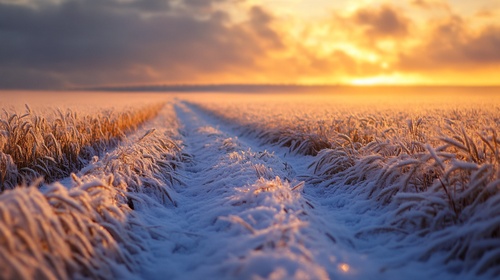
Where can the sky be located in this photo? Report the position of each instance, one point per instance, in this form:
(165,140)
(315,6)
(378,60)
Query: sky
(47,44)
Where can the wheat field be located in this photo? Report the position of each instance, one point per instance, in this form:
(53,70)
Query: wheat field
(432,161)
(97,191)
(83,228)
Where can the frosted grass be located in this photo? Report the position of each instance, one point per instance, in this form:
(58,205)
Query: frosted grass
(87,229)
(54,143)
(431,168)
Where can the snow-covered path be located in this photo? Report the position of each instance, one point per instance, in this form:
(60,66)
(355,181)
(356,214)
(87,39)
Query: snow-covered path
(237,216)
(242,213)
(184,198)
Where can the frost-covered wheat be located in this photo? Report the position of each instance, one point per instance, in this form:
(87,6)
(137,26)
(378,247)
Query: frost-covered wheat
(435,166)
(54,143)
(86,230)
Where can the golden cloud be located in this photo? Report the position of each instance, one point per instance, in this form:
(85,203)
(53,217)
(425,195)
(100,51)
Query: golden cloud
(91,42)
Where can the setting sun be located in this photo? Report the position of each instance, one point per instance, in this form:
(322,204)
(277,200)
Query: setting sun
(393,79)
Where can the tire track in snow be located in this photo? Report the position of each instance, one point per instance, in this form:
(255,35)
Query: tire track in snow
(351,223)
(241,214)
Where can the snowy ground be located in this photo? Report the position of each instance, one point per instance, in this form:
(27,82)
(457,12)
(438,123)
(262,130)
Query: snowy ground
(209,203)
(243,211)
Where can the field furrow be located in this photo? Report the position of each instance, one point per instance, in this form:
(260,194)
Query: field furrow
(242,213)
(220,190)
(415,192)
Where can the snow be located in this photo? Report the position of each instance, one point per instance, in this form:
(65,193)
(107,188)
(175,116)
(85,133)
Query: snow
(211,201)
(239,216)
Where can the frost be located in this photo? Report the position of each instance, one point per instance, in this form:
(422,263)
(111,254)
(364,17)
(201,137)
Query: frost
(214,190)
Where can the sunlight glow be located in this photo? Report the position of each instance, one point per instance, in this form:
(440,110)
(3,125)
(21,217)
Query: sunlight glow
(348,42)
(390,79)
(353,44)
(344,267)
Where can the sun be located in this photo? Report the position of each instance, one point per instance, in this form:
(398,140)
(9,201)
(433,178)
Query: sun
(392,79)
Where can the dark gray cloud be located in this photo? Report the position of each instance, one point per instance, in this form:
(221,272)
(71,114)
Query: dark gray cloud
(99,42)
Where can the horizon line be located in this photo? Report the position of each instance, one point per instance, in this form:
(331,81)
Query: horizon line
(242,86)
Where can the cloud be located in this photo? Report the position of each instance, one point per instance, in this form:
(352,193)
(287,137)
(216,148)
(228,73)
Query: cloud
(383,40)
(65,43)
(352,43)
(260,22)
(384,21)
(484,47)
(95,42)
(431,4)
(452,44)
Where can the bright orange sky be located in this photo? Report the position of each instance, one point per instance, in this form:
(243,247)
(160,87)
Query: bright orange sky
(366,42)
(83,43)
